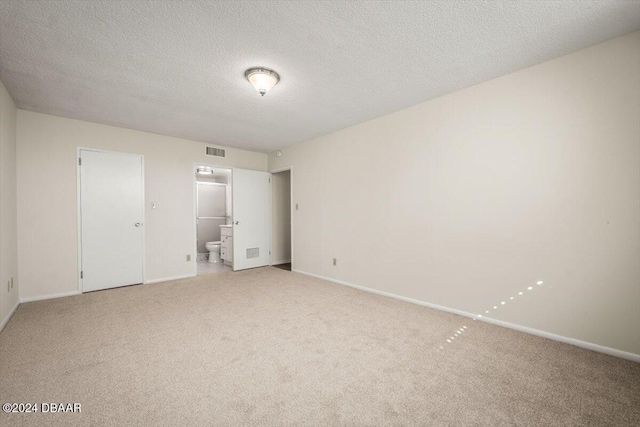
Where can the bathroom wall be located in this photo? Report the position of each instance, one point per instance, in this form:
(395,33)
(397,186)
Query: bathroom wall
(211,212)
(204,232)
(8,211)
(47,220)
(226,179)
(219,179)
(281,217)
(230,203)
(467,200)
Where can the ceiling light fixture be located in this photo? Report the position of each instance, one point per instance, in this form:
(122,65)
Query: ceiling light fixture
(263,79)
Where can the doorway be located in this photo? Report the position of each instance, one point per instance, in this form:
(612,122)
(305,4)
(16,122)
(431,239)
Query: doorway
(245,235)
(213,219)
(281,219)
(111,219)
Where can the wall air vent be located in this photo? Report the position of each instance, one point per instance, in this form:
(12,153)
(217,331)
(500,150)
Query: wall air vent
(253,253)
(218,152)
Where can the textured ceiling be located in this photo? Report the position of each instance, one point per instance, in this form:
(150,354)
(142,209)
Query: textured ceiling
(177,67)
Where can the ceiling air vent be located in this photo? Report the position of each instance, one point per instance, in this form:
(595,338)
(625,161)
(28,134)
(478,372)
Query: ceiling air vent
(218,152)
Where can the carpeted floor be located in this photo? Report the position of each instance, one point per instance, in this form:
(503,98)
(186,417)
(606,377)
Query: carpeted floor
(269,347)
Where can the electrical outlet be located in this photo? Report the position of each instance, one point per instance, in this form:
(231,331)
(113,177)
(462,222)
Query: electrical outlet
(188,258)
(335,261)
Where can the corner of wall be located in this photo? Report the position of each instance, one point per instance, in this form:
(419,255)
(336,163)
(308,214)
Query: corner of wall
(9,285)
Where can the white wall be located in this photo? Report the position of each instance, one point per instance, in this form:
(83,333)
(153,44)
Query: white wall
(468,199)
(8,236)
(281,217)
(47,220)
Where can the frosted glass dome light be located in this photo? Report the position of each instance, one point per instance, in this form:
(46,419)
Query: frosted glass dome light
(262,79)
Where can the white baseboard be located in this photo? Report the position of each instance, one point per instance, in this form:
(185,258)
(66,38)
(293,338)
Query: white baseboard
(284,261)
(8,316)
(68,294)
(578,343)
(50,296)
(167,279)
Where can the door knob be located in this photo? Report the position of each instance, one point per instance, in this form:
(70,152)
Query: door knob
(237,222)
(138,224)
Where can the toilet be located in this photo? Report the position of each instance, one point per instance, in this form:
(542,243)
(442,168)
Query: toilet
(214,252)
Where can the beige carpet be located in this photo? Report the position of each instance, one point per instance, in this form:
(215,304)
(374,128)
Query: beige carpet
(269,347)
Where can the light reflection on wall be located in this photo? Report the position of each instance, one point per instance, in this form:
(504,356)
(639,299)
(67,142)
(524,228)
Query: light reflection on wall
(495,307)
(459,331)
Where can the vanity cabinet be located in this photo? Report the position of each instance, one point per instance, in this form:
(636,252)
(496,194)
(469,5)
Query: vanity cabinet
(226,246)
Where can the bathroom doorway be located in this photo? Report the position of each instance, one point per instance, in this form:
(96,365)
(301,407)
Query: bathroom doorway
(281,246)
(213,219)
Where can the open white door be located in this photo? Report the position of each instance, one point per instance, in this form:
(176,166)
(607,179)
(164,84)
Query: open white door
(111,218)
(251,219)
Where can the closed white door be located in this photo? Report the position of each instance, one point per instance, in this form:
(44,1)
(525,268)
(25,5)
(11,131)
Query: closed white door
(111,215)
(251,219)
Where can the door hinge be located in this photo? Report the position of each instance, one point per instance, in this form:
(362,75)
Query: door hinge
(79,161)
(81,274)
(269,179)
(269,252)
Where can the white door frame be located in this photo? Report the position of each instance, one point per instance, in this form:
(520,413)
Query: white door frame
(291,204)
(194,167)
(79,211)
